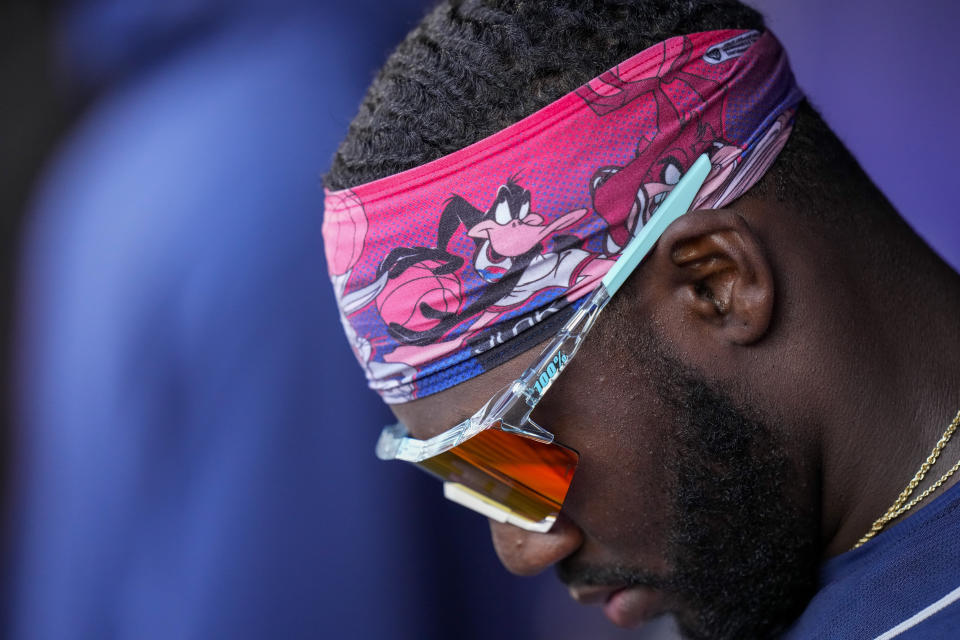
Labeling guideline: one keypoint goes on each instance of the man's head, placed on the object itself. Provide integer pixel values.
(687, 498)
(697, 489)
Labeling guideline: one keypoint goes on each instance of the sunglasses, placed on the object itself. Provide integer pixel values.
(499, 462)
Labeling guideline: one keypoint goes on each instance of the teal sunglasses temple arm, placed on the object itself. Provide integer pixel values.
(538, 378)
(677, 203)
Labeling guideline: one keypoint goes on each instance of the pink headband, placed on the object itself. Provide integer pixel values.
(449, 269)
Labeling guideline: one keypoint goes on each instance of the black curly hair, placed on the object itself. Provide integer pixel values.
(473, 67)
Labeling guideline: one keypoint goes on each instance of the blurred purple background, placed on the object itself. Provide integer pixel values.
(193, 439)
(883, 75)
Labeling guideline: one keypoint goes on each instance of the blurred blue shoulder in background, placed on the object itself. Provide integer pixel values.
(188, 466)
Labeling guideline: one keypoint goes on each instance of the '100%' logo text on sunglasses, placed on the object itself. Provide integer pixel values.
(551, 371)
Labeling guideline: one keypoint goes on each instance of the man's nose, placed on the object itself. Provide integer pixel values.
(526, 553)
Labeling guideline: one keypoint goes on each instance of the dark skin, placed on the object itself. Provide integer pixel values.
(860, 379)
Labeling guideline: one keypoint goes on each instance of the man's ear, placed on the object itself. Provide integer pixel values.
(718, 274)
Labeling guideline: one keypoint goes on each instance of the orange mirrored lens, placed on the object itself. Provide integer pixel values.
(528, 477)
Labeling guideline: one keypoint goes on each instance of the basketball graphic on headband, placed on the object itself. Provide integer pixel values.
(434, 296)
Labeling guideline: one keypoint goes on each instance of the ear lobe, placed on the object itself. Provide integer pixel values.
(720, 273)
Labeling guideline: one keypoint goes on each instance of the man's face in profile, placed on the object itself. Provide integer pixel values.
(681, 502)
(686, 498)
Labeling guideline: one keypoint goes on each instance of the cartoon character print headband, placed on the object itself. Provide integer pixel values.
(449, 269)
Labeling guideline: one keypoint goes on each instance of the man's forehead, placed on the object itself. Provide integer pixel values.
(427, 417)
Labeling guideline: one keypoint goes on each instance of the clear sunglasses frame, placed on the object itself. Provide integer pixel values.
(509, 410)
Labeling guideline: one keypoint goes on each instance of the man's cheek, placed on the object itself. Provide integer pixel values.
(621, 494)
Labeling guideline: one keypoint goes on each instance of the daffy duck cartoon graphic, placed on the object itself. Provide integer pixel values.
(508, 254)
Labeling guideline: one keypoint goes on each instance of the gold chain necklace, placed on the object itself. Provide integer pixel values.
(901, 505)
